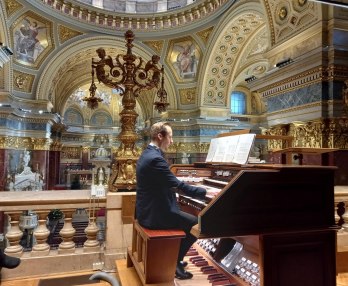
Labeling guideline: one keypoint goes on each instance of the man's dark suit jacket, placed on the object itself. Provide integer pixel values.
(156, 205)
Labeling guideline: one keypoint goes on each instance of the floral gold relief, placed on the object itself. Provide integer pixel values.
(205, 34)
(12, 6)
(56, 145)
(22, 81)
(325, 133)
(66, 33)
(70, 153)
(187, 95)
(10, 142)
(41, 143)
(189, 147)
(157, 46)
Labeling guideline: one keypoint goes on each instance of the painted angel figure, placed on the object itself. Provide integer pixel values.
(27, 45)
(186, 60)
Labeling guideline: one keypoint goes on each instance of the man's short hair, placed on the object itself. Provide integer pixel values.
(159, 127)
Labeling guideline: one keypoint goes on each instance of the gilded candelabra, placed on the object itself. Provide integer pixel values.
(130, 75)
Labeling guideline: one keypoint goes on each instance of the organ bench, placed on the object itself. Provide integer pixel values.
(154, 254)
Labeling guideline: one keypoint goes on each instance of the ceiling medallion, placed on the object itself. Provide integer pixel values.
(283, 13)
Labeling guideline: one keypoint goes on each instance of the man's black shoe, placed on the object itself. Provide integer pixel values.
(181, 273)
(183, 263)
(8, 261)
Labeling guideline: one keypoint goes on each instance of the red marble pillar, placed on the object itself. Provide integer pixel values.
(84, 162)
(3, 171)
(54, 170)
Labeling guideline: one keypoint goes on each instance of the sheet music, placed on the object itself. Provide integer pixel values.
(231, 149)
(212, 148)
(232, 142)
(243, 148)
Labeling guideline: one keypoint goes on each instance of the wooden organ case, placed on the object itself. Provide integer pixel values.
(281, 216)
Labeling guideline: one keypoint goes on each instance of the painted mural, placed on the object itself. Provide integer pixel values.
(184, 58)
(31, 37)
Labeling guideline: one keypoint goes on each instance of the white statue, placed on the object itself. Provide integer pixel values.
(100, 176)
(26, 158)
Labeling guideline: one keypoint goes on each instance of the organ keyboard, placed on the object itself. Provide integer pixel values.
(277, 219)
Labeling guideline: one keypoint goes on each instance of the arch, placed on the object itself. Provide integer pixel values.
(75, 59)
(242, 24)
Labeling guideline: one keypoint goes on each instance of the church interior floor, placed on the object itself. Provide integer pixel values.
(129, 278)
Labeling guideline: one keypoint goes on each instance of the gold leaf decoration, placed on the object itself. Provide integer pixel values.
(66, 33)
(205, 34)
(22, 81)
(12, 6)
(187, 95)
(155, 45)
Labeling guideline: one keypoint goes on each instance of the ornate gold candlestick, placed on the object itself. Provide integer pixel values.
(130, 75)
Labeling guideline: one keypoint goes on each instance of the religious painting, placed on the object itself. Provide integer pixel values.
(74, 117)
(101, 119)
(31, 39)
(183, 58)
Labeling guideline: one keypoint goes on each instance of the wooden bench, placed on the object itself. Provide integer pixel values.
(154, 254)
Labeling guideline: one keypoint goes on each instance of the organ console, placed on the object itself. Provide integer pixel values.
(262, 224)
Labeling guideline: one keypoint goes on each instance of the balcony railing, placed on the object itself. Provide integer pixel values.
(67, 257)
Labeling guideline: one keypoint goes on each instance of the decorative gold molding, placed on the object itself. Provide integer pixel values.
(157, 46)
(283, 13)
(12, 6)
(189, 147)
(65, 33)
(270, 21)
(22, 81)
(85, 149)
(12, 142)
(187, 95)
(322, 133)
(41, 143)
(71, 153)
(56, 145)
(205, 34)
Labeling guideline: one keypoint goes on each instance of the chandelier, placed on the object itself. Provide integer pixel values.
(92, 100)
(161, 104)
(130, 75)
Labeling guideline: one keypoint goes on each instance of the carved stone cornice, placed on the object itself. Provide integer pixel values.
(147, 22)
(298, 81)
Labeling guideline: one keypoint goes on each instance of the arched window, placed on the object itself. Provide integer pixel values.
(238, 102)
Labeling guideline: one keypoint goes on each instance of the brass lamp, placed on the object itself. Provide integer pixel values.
(161, 104)
(92, 100)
